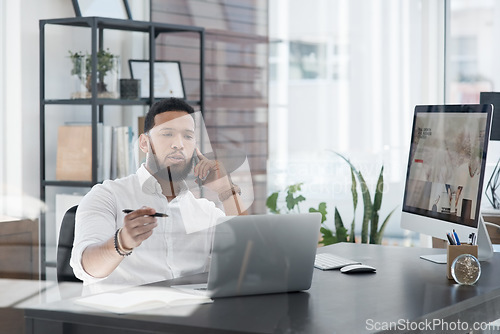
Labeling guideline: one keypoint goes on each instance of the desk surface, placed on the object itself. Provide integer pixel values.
(405, 288)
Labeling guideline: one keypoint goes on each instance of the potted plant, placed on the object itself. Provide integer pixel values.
(371, 232)
(107, 74)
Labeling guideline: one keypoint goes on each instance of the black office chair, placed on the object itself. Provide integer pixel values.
(64, 247)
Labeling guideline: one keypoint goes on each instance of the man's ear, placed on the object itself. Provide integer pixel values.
(143, 143)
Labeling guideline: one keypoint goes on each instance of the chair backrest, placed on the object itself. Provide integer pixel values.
(64, 247)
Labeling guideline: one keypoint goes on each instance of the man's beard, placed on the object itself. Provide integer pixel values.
(170, 173)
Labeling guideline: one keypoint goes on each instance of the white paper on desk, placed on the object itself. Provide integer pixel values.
(141, 299)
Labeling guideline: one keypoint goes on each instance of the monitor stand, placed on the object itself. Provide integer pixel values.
(484, 246)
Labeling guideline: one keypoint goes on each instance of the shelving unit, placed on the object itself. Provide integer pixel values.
(97, 26)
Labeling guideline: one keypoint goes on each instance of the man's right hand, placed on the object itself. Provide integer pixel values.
(137, 227)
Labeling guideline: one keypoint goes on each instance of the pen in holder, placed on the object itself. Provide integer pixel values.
(466, 269)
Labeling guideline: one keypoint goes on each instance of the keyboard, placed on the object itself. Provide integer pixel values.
(327, 261)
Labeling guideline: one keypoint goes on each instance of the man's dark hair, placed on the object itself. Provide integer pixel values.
(170, 104)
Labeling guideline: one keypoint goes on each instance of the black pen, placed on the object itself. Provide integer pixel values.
(158, 214)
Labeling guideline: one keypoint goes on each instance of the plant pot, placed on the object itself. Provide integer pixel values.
(107, 82)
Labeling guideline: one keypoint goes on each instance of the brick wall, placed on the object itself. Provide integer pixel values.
(236, 73)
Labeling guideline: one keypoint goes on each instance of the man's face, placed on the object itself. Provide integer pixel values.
(172, 144)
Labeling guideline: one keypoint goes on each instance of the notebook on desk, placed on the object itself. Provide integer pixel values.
(261, 254)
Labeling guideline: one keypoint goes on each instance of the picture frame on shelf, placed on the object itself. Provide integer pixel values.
(117, 9)
(168, 80)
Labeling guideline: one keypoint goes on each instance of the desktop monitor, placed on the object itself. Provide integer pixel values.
(445, 172)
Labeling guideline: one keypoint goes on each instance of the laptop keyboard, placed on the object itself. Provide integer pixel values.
(327, 261)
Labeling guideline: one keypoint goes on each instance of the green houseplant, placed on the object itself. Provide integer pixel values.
(107, 63)
(370, 231)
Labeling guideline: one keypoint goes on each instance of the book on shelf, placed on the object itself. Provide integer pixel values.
(113, 157)
(115, 152)
(100, 152)
(107, 135)
(122, 152)
(121, 134)
(141, 299)
(74, 153)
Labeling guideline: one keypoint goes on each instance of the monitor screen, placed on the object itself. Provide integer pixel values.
(446, 169)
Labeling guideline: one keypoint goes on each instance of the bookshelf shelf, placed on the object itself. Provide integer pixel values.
(98, 102)
(101, 102)
(57, 183)
(95, 27)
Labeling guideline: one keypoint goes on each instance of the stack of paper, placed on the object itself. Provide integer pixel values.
(141, 299)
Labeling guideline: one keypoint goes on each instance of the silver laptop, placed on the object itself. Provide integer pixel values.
(260, 254)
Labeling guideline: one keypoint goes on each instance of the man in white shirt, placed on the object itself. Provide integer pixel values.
(113, 248)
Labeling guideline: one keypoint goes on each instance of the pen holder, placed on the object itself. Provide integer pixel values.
(454, 251)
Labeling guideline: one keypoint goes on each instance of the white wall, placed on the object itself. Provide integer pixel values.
(19, 95)
(20, 107)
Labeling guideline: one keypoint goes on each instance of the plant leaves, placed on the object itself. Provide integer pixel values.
(295, 187)
(340, 230)
(380, 233)
(272, 202)
(354, 190)
(379, 191)
(291, 201)
(352, 235)
(370, 209)
(321, 209)
(377, 203)
(374, 227)
(367, 204)
(328, 237)
(367, 201)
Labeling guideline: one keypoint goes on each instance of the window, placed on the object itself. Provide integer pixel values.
(10, 109)
(307, 60)
(345, 77)
(472, 49)
(472, 64)
(3, 31)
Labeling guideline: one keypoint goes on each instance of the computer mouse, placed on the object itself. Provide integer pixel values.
(357, 268)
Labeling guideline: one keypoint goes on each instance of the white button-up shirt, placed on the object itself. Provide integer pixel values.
(180, 245)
